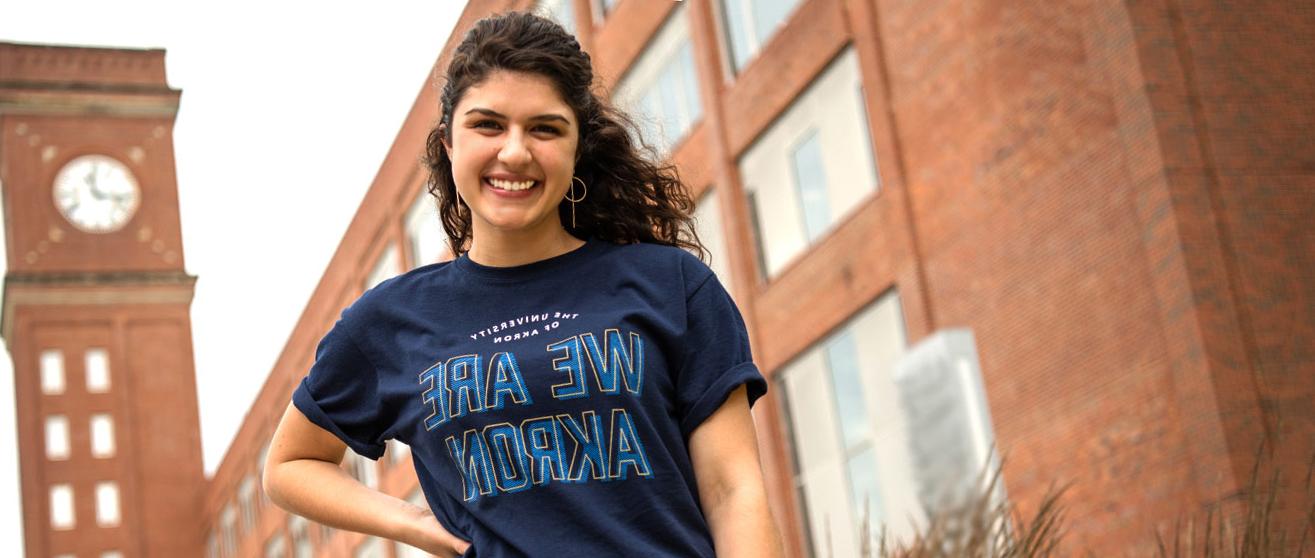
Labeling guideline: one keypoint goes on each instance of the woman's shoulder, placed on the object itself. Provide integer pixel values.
(405, 286)
(656, 253)
(662, 258)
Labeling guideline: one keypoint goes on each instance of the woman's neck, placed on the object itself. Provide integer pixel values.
(496, 248)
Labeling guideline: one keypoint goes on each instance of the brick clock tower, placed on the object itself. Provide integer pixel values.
(96, 304)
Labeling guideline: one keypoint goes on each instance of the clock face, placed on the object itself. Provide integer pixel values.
(96, 193)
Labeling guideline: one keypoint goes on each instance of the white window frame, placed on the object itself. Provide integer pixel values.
(246, 499)
(97, 369)
(276, 547)
(362, 468)
(754, 42)
(823, 458)
(847, 159)
(299, 531)
(260, 473)
(661, 57)
(601, 10)
(108, 512)
(63, 514)
(396, 451)
(228, 529)
(212, 545)
(103, 444)
(802, 195)
(708, 223)
(370, 547)
(51, 362)
(57, 438)
(388, 265)
(423, 231)
(561, 11)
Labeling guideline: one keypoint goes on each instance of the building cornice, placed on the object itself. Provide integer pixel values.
(83, 99)
(92, 288)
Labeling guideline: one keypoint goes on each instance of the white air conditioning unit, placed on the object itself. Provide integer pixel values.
(947, 419)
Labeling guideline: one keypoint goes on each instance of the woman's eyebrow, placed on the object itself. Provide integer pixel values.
(495, 114)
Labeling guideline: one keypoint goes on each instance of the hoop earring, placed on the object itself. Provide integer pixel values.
(575, 179)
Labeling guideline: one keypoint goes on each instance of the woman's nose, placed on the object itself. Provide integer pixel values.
(514, 151)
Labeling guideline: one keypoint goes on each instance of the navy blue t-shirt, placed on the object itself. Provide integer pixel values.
(548, 406)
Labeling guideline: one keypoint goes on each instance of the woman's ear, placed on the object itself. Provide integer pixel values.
(443, 137)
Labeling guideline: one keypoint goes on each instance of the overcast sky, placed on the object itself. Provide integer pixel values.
(288, 109)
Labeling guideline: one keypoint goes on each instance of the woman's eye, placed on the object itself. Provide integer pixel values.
(489, 124)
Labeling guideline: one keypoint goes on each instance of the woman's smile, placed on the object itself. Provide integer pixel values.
(512, 189)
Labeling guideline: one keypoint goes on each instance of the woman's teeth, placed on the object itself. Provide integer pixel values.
(512, 186)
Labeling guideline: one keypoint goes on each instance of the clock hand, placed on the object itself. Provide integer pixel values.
(96, 191)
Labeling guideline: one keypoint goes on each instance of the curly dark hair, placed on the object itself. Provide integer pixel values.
(630, 198)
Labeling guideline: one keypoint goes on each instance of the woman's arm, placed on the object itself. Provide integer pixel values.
(724, 450)
(302, 475)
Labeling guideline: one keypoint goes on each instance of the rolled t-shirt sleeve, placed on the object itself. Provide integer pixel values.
(341, 393)
(717, 357)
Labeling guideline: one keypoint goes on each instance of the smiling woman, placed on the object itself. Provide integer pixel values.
(530, 99)
(512, 153)
(611, 416)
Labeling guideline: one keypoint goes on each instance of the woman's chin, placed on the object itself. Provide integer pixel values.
(510, 222)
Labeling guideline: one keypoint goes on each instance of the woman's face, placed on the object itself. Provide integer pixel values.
(510, 131)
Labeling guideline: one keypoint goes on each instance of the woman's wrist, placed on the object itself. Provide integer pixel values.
(415, 530)
(422, 530)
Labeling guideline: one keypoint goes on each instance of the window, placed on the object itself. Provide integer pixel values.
(424, 232)
(370, 548)
(228, 529)
(397, 451)
(362, 468)
(813, 166)
(602, 8)
(402, 550)
(56, 437)
(852, 462)
(260, 472)
(102, 435)
(107, 504)
(52, 372)
(246, 501)
(561, 11)
(661, 90)
(299, 528)
(810, 181)
(326, 532)
(749, 24)
(98, 370)
(708, 223)
(276, 548)
(387, 266)
(61, 507)
(212, 545)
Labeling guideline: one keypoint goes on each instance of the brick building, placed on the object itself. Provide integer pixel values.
(96, 304)
(1078, 229)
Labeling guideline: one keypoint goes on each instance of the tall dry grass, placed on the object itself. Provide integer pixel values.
(1258, 533)
(985, 526)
